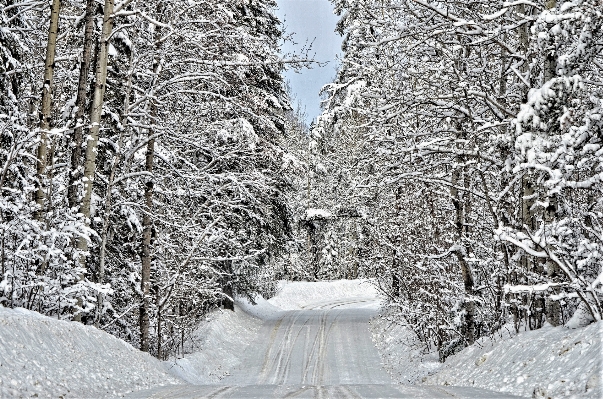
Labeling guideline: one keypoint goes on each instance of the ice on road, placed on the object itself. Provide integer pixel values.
(321, 351)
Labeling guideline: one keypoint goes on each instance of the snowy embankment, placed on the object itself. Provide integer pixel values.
(219, 341)
(47, 357)
(548, 363)
(42, 356)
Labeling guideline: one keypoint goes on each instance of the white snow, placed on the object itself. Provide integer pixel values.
(301, 294)
(44, 357)
(317, 214)
(549, 362)
(402, 355)
(47, 357)
(219, 342)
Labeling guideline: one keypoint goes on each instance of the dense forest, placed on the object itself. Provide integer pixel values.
(467, 138)
(143, 175)
(152, 166)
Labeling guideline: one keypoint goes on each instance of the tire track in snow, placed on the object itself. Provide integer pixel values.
(278, 361)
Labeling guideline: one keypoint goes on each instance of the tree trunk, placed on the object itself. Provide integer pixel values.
(95, 119)
(92, 142)
(100, 273)
(553, 308)
(460, 252)
(228, 292)
(147, 220)
(227, 287)
(44, 123)
(147, 225)
(80, 104)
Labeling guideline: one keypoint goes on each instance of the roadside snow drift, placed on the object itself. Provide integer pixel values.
(549, 362)
(219, 342)
(546, 363)
(41, 356)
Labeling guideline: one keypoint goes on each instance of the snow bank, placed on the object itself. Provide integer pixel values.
(402, 355)
(301, 294)
(219, 341)
(550, 362)
(41, 356)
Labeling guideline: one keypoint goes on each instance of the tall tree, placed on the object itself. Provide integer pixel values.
(46, 109)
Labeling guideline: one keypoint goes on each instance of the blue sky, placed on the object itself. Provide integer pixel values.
(311, 20)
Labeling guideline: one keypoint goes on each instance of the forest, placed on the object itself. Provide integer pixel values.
(154, 166)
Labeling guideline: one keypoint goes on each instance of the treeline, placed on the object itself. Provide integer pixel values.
(141, 172)
(467, 138)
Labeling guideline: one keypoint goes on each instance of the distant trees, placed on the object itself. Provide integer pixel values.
(154, 189)
(467, 136)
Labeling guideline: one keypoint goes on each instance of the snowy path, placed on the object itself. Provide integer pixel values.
(326, 344)
(322, 351)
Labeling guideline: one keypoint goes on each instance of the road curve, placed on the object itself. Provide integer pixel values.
(322, 351)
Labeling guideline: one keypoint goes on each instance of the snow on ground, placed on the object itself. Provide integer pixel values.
(44, 357)
(548, 363)
(402, 355)
(224, 336)
(219, 341)
(300, 294)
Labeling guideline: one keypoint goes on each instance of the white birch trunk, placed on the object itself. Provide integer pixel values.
(95, 119)
(44, 126)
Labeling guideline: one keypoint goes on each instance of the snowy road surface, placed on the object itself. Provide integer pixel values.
(322, 351)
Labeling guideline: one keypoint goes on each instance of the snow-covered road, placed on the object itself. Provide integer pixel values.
(321, 351)
(327, 344)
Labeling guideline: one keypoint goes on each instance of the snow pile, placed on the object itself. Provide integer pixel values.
(550, 362)
(300, 294)
(402, 355)
(41, 356)
(219, 342)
